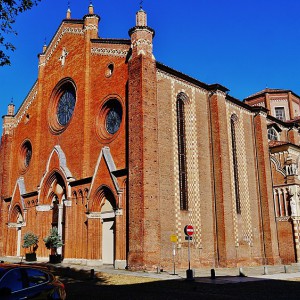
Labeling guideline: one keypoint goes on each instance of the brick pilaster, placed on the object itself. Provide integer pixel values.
(144, 209)
(269, 229)
(222, 179)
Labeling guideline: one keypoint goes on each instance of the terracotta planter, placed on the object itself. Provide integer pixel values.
(30, 256)
(55, 259)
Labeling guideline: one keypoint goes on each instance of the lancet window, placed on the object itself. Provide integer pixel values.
(233, 122)
(181, 134)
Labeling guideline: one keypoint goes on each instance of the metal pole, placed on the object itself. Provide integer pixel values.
(174, 253)
(189, 253)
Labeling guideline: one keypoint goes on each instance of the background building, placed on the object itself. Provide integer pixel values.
(120, 152)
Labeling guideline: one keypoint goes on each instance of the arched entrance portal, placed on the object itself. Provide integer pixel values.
(103, 207)
(55, 195)
(15, 228)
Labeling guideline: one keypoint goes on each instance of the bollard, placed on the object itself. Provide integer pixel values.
(212, 274)
(189, 275)
(265, 270)
(285, 269)
(92, 274)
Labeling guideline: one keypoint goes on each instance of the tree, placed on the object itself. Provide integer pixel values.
(30, 241)
(53, 240)
(9, 10)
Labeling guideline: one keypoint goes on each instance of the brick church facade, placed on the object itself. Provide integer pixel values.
(119, 152)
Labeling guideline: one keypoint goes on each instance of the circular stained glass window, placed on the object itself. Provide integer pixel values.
(65, 107)
(113, 119)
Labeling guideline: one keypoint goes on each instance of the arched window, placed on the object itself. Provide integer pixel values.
(272, 134)
(233, 121)
(181, 98)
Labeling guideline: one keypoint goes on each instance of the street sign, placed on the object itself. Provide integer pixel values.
(189, 230)
(173, 238)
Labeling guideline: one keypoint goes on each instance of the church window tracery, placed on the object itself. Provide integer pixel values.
(62, 105)
(109, 120)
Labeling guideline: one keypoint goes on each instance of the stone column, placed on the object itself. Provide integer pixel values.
(59, 225)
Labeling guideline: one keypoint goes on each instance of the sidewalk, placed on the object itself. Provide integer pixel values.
(222, 275)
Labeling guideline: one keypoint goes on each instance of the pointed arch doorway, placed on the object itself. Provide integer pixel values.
(15, 231)
(54, 195)
(103, 208)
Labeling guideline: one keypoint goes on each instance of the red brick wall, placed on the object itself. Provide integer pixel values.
(286, 244)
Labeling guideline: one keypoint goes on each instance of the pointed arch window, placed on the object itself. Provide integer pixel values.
(233, 122)
(180, 105)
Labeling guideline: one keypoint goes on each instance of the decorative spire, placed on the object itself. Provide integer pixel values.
(141, 5)
(91, 8)
(11, 108)
(44, 46)
(68, 11)
(141, 18)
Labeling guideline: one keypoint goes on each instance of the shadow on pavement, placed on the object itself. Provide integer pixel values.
(80, 285)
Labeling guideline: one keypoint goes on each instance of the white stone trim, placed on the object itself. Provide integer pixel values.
(109, 52)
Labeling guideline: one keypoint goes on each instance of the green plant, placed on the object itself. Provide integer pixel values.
(53, 240)
(30, 240)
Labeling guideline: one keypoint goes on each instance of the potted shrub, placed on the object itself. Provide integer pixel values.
(52, 242)
(30, 241)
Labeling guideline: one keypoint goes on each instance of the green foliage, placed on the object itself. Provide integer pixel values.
(30, 240)
(9, 10)
(53, 240)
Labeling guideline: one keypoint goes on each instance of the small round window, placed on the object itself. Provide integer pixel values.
(25, 156)
(110, 69)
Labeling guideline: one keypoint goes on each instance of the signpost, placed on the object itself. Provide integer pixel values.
(189, 231)
(173, 239)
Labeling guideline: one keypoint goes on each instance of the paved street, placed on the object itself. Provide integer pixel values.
(281, 282)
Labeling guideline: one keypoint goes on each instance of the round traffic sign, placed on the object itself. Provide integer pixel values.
(189, 230)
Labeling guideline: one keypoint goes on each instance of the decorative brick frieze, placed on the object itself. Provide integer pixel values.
(22, 111)
(109, 52)
(91, 27)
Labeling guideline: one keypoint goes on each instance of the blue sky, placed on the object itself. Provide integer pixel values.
(243, 45)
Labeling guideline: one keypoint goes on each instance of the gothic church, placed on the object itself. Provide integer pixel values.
(120, 152)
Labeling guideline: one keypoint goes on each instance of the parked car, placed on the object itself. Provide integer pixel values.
(29, 282)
